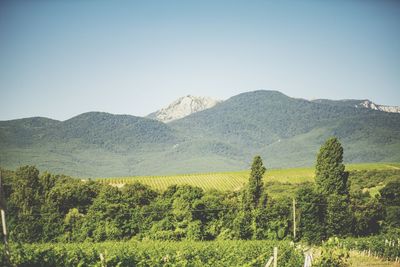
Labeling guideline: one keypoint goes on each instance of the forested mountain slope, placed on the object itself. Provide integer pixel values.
(285, 131)
(288, 131)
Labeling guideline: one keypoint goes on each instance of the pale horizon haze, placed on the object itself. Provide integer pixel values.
(62, 58)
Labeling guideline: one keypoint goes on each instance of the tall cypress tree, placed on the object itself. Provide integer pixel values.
(330, 175)
(255, 187)
(331, 180)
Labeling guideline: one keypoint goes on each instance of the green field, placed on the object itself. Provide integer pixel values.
(231, 181)
(183, 253)
(154, 253)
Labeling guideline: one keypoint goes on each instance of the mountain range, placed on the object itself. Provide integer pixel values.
(196, 134)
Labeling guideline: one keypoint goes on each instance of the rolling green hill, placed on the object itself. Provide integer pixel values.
(88, 144)
(286, 132)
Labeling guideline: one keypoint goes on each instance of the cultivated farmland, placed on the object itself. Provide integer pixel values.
(232, 181)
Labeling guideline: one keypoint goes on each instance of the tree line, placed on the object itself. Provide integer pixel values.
(57, 208)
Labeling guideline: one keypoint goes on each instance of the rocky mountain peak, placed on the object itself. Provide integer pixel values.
(182, 107)
(371, 105)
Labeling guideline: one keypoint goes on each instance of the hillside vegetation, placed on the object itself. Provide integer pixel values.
(56, 220)
(285, 131)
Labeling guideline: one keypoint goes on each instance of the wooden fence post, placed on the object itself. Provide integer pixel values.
(3, 220)
(269, 261)
(294, 219)
(275, 256)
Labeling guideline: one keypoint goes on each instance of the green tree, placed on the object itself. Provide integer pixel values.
(330, 174)
(367, 212)
(209, 210)
(52, 222)
(72, 221)
(390, 198)
(242, 225)
(311, 209)
(108, 217)
(390, 194)
(260, 223)
(26, 202)
(138, 194)
(338, 216)
(26, 189)
(47, 182)
(71, 193)
(279, 219)
(195, 231)
(255, 186)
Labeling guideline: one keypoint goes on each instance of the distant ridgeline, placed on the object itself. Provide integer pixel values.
(285, 131)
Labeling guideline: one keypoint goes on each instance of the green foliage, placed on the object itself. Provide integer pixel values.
(131, 253)
(108, 218)
(365, 179)
(338, 216)
(25, 203)
(367, 214)
(72, 222)
(329, 171)
(385, 246)
(242, 225)
(392, 217)
(70, 193)
(279, 218)
(255, 186)
(195, 231)
(64, 209)
(390, 194)
(53, 208)
(285, 130)
(390, 198)
(26, 189)
(312, 213)
(138, 194)
(333, 257)
(260, 223)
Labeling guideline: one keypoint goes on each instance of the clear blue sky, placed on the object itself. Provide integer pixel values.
(62, 58)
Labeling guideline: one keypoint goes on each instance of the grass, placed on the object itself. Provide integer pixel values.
(358, 260)
(279, 179)
(373, 166)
